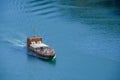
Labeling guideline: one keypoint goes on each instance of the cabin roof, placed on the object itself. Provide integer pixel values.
(34, 38)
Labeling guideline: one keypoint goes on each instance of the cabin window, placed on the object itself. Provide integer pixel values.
(33, 42)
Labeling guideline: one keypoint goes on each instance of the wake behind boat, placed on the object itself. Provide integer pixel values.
(42, 50)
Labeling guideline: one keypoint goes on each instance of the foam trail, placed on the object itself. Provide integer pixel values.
(15, 42)
(19, 43)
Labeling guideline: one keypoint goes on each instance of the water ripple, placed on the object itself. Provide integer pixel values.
(45, 8)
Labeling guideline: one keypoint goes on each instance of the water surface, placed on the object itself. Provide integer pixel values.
(84, 34)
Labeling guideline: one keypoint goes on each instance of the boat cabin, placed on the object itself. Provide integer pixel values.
(34, 41)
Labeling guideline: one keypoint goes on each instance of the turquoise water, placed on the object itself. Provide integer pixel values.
(84, 34)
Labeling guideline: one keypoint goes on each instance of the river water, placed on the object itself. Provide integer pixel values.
(84, 33)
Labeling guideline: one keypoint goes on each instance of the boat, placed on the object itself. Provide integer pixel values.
(40, 49)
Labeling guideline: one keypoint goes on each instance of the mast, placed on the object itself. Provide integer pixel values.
(34, 31)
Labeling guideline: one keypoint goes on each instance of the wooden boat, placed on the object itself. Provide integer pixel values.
(40, 49)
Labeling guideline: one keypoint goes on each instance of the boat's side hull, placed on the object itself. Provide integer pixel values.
(47, 57)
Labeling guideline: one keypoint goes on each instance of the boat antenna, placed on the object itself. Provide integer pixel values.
(34, 31)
